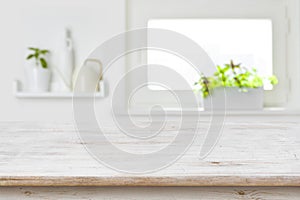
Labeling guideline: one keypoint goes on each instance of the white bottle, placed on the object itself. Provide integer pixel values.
(63, 71)
(67, 67)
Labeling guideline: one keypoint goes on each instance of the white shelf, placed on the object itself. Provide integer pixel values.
(20, 93)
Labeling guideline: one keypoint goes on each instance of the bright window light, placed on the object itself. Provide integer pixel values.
(246, 41)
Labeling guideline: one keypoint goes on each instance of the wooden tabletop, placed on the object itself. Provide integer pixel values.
(252, 151)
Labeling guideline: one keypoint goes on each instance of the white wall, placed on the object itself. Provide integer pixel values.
(41, 23)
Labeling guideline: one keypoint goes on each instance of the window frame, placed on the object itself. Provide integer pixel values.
(285, 38)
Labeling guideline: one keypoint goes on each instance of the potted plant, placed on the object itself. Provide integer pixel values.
(39, 74)
(239, 87)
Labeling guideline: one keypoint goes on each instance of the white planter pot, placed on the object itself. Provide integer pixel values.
(38, 79)
(234, 99)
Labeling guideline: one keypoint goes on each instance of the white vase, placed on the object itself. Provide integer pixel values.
(234, 99)
(38, 79)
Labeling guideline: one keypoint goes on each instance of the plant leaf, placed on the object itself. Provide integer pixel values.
(43, 63)
(45, 51)
(33, 49)
(29, 57)
(273, 80)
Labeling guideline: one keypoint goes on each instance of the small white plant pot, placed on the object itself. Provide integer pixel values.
(38, 79)
(234, 99)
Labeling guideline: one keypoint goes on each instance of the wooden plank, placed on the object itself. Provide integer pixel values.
(200, 181)
(252, 151)
(150, 193)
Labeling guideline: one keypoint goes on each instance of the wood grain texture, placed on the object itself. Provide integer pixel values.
(149, 193)
(252, 151)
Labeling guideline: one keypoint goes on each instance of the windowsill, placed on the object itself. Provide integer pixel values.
(268, 111)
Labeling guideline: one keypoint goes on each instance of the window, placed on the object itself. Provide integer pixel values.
(242, 40)
(267, 40)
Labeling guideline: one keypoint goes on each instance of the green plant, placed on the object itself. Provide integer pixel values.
(232, 75)
(39, 56)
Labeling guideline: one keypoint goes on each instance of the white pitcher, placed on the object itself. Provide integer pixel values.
(89, 76)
